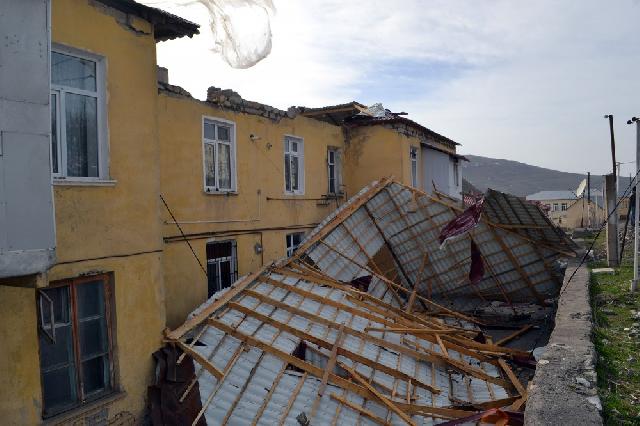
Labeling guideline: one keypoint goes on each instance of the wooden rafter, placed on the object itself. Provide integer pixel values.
(388, 403)
(329, 345)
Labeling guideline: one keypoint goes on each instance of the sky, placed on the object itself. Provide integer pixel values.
(528, 81)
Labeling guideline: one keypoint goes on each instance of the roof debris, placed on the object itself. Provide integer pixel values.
(370, 321)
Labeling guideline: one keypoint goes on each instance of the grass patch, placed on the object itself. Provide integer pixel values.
(618, 346)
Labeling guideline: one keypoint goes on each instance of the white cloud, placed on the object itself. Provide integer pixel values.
(531, 81)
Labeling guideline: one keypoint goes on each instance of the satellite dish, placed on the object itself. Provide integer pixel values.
(581, 188)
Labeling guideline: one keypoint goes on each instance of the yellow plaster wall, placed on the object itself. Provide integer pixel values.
(102, 222)
(372, 152)
(260, 175)
(20, 396)
(186, 283)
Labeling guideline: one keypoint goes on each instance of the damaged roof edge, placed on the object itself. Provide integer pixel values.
(346, 114)
(166, 26)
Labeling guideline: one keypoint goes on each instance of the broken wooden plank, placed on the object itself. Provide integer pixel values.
(201, 360)
(236, 289)
(516, 383)
(387, 402)
(514, 335)
(331, 364)
(443, 348)
(356, 357)
(360, 409)
(292, 398)
(414, 330)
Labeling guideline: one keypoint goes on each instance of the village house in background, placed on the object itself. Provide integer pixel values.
(570, 212)
(557, 203)
(161, 200)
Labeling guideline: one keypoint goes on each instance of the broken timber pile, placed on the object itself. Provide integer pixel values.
(351, 329)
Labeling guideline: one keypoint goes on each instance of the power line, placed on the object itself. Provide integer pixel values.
(183, 235)
(626, 192)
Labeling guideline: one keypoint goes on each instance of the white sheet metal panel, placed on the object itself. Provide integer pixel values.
(253, 374)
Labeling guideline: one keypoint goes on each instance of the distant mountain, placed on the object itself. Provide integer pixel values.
(522, 179)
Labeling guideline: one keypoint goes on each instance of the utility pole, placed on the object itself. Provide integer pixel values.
(610, 198)
(636, 225)
(613, 256)
(613, 145)
(589, 200)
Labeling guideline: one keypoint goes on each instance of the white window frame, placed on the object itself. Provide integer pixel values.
(456, 173)
(101, 117)
(300, 156)
(563, 207)
(413, 164)
(208, 189)
(233, 263)
(291, 248)
(337, 172)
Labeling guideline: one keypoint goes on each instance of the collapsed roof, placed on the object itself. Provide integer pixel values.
(359, 325)
(517, 242)
(355, 114)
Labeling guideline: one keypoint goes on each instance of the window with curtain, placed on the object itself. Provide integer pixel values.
(76, 103)
(219, 156)
(293, 165)
(76, 349)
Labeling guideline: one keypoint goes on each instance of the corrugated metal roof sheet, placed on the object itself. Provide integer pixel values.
(267, 346)
(279, 309)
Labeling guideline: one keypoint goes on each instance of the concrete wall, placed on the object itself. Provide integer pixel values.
(577, 215)
(258, 213)
(111, 228)
(27, 233)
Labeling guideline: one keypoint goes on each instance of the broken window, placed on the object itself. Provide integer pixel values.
(293, 165)
(75, 342)
(219, 155)
(333, 170)
(413, 155)
(293, 242)
(77, 104)
(222, 265)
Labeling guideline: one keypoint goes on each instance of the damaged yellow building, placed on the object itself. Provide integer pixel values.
(77, 348)
(161, 200)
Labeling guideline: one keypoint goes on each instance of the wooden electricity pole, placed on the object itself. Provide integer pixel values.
(611, 197)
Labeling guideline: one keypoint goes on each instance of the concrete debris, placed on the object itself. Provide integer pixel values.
(538, 352)
(232, 100)
(583, 382)
(603, 271)
(595, 400)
